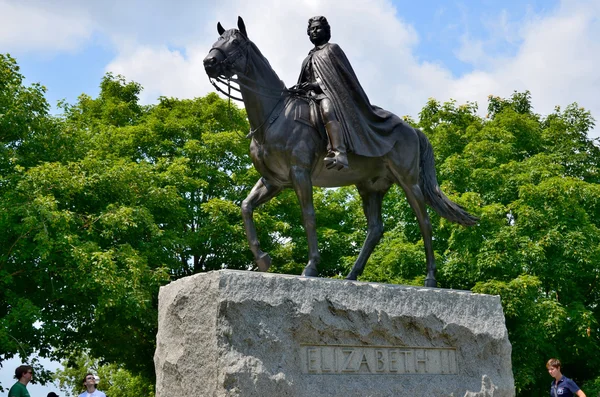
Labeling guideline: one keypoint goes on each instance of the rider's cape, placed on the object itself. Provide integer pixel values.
(368, 129)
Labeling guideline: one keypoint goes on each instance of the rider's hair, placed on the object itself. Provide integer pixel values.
(323, 21)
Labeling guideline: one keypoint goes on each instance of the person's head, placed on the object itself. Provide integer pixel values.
(89, 380)
(553, 366)
(24, 372)
(52, 394)
(318, 30)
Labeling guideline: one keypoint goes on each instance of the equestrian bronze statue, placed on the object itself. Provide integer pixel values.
(294, 145)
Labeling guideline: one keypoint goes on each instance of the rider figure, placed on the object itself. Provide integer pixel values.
(319, 33)
(353, 124)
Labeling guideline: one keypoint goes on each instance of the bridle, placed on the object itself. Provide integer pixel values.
(227, 63)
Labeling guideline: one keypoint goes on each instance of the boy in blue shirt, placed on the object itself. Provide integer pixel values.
(561, 385)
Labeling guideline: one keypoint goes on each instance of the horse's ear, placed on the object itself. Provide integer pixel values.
(242, 27)
(220, 28)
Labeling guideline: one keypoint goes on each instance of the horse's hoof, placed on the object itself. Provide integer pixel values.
(310, 272)
(430, 282)
(352, 275)
(263, 262)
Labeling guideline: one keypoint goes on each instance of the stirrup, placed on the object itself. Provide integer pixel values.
(337, 160)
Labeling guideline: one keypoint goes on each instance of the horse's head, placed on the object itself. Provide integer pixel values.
(229, 55)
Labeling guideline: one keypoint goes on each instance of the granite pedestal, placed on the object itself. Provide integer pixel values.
(234, 333)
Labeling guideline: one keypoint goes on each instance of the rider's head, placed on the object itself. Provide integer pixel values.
(318, 30)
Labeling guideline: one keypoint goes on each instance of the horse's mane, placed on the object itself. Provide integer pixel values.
(259, 60)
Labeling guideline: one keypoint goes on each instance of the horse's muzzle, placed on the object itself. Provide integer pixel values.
(212, 66)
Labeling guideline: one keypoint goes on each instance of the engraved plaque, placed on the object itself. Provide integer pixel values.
(377, 360)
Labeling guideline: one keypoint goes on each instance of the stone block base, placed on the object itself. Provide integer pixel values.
(234, 333)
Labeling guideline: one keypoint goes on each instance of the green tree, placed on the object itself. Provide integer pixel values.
(25, 128)
(533, 181)
(146, 194)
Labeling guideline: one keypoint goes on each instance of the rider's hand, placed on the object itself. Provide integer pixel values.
(306, 87)
(309, 86)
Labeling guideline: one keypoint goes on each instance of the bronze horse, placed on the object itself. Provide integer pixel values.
(288, 151)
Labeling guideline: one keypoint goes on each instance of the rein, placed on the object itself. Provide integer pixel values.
(229, 86)
(277, 93)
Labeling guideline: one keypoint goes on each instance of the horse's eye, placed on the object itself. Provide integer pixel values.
(235, 42)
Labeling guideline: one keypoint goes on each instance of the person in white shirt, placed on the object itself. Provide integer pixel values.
(90, 384)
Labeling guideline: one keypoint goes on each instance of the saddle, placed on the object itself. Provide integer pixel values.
(307, 112)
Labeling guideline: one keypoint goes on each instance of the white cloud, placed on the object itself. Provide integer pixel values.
(164, 72)
(556, 60)
(555, 55)
(472, 51)
(161, 45)
(29, 27)
(368, 31)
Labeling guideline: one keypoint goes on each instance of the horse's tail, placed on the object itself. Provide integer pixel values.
(431, 189)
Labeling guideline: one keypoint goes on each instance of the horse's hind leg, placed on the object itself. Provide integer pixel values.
(302, 183)
(417, 202)
(261, 193)
(371, 202)
(406, 170)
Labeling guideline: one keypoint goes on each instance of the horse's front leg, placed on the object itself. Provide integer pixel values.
(303, 186)
(261, 193)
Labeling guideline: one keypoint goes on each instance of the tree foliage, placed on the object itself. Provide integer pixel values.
(25, 127)
(533, 181)
(102, 205)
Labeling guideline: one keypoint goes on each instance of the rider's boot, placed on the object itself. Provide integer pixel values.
(336, 158)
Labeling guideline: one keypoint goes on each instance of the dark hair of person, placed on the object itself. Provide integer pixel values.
(86, 375)
(22, 370)
(85, 378)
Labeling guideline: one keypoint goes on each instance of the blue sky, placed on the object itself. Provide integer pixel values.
(404, 52)
(440, 26)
